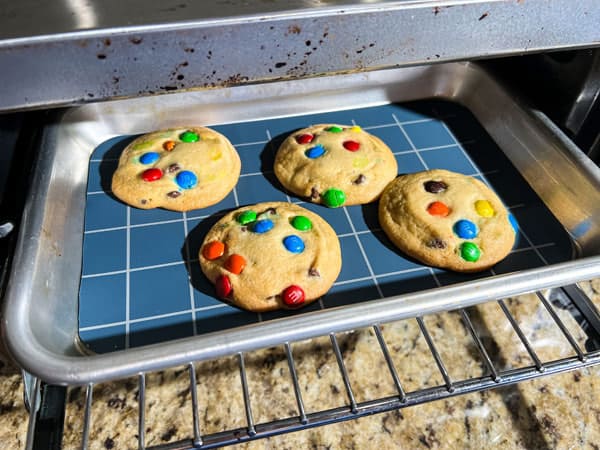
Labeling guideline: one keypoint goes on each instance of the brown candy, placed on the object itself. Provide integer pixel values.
(436, 243)
(173, 194)
(360, 179)
(435, 187)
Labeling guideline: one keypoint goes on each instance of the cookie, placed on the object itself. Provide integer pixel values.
(178, 169)
(447, 220)
(335, 165)
(270, 256)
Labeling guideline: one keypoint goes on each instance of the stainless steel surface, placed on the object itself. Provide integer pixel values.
(44, 283)
(297, 420)
(74, 51)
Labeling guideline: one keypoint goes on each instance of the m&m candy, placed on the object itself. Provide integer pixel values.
(189, 136)
(169, 145)
(235, 263)
(293, 244)
(334, 129)
(465, 229)
(469, 251)
(484, 208)
(186, 179)
(149, 157)
(438, 209)
(435, 187)
(152, 174)
(304, 138)
(301, 223)
(262, 226)
(315, 152)
(213, 250)
(293, 295)
(246, 217)
(333, 198)
(351, 146)
(223, 286)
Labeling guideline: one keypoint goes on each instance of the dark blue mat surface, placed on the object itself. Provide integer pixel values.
(141, 282)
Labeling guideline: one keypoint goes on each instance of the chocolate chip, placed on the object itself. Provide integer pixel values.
(173, 168)
(271, 211)
(109, 443)
(143, 201)
(435, 187)
(360, 179)
(173, 194)
(313, 272)
(314, 193)
(244, 228)
(436, 243)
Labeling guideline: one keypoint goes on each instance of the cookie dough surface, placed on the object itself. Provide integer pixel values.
(447, 220)
(179, 169)
(270, 256)
(335, 165)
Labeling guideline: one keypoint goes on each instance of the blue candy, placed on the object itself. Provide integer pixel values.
(513, 223)
(186, 179)
(149, 158)
(262, 226)
(465, 229)
(315, 152)
(293, 244)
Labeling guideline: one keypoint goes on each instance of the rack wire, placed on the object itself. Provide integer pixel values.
(572, 315)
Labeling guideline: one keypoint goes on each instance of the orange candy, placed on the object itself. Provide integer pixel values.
(213, 250)
(438, 209)
(169, 145)
(235, 263)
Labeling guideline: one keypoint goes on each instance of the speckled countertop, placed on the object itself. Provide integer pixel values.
(557, 411)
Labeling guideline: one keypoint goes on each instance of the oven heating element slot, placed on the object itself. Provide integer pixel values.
(493, 376)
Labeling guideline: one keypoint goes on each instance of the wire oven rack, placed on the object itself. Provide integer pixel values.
(565, 306)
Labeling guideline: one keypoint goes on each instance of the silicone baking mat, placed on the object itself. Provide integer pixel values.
(141, 282)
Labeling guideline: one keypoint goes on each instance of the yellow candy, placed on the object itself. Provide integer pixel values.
(144, 145)
(215, 154)
(484, 208)
(356, 128)
(360, 162)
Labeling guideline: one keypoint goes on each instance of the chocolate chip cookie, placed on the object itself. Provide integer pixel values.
(447, 220)
(179, 169)
(270, 256)
(335, 165)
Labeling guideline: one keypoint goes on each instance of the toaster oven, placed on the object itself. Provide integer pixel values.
(462, 85)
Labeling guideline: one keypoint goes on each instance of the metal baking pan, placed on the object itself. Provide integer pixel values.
(41, 307)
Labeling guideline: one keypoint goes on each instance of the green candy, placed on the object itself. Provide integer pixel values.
(469, 252)
(189, 136)
(333, 198)
(301, 223)
(246, 217)
(334, 129)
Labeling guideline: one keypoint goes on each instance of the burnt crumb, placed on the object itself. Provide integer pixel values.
(436, 243)
(101, 56)
(244, 228)
(549, 425)
(116, 403)
(180, 77)
(294, 29)
(90, 95)
(173, 194)
(313, 272)
(469, 404)
(307, 43)
(543, 389)
(168, 88)
(189, 50)
(360, 179)
(436, 10)
(314, 193)
(483, 16)
(109, 443)
(576, 377)
(135, 40)
(107, 42)
(115, 80)
(334, 389)
(279, 65)
(168, 435)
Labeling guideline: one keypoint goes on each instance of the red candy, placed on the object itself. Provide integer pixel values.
(293, 295)
(351, 145)
(152, 174)
(304, 138)
(223, 286)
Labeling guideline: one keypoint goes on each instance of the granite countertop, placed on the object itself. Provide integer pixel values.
(557, 411)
